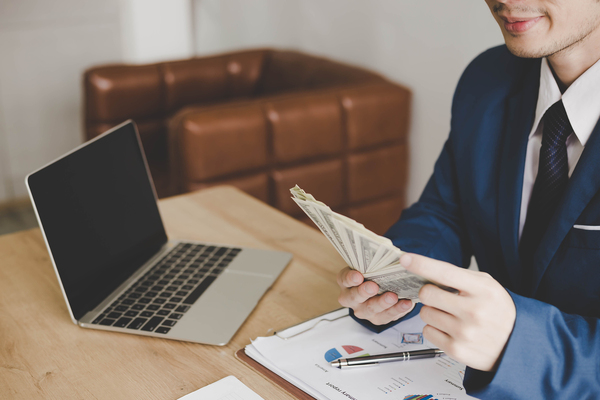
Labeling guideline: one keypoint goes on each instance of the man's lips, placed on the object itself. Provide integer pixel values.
(519, 25)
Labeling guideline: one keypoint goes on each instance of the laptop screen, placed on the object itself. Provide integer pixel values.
(99, 214)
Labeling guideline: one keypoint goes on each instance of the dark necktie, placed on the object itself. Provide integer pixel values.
(550, 184)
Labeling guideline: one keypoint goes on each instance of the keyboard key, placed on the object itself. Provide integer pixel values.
(163, 282)
(152, 324)
(166, 294)
(187, 287)
(193, 281)
(163, 312)
(137, 307)
(141, 289)
(169, 306)
(116, 303)
(107, 310)
(175, 316)
(134, 295)
(172, 288)
(107, 321)
(159, 301)
(144, 300)
(137, 323)
(150, 294)
(146, 283)
(121, 308)
(157, 288)
(122, 323)
(131, 313)
(181, 293)
(183, 276)
(98, 319)
(169, 322)
(178, 282)
(128, 302)
(176, 299)
(191, 299)
(146, 314)
(152, 307)
(114, 315)
(182, 309)
(169, 276)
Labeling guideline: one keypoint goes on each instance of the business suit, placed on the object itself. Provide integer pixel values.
(471, 206)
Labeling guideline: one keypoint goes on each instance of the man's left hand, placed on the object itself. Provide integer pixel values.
(472, 326)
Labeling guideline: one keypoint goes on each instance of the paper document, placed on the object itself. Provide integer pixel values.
(304, 360)
(229, 388)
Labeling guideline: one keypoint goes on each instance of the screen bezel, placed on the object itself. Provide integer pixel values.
(151, 182)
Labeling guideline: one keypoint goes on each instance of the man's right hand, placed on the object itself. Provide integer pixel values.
(362, 297)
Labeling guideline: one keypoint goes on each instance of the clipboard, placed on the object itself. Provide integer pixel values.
(267, 373)
(287, 386)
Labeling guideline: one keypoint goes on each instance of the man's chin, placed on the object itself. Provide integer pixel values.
(525, 51)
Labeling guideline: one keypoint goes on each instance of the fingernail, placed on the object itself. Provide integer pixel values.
(355, 278)
(390, 299)
(370, 289)
(406, 260)
(405, 305)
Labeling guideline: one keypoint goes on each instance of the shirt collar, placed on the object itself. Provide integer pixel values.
(581, 100)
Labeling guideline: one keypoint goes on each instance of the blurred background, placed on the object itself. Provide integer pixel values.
(46, 45)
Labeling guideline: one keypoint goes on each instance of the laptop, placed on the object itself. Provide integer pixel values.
(118, 271)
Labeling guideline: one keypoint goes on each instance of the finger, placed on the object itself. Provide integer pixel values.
(375, 309)
(349, 277)
(438, 338)
(353, 297)
(440, 272)
(398, 310)
(440, 320)
(441, 299)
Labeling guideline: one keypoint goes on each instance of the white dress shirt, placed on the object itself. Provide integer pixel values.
(582, 103)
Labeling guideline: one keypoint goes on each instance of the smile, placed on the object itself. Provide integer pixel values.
(519, 25)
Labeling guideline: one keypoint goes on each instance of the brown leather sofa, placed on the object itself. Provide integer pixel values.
(264, 120)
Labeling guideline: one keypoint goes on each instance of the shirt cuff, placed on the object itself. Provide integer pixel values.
(380, 328)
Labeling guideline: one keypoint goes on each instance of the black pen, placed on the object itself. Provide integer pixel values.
(381, 358)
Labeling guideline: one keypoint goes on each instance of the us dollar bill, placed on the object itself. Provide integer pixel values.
(374, 256)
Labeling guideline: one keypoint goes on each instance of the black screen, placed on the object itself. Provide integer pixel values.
(99, 214)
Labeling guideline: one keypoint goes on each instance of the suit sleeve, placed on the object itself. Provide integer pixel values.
(549, 355)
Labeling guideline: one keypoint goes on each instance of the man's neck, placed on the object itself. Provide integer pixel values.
(570, 63)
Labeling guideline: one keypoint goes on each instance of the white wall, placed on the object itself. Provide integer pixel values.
(45, 45)
(423, 44)
(44, 48)
(156, 30)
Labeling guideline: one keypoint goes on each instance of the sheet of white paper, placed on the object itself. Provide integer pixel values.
(229, 388)
(306, 358)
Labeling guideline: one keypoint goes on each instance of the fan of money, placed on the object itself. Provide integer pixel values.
(374, 256)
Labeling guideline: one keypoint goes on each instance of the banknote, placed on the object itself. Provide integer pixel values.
(374, 256)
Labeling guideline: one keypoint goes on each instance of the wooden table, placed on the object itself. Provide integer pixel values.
(43, 355)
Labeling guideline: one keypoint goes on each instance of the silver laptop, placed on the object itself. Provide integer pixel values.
(98, 212)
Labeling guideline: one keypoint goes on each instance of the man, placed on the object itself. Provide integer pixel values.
(517, 185)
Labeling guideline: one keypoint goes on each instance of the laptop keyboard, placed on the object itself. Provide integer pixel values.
(166, 292)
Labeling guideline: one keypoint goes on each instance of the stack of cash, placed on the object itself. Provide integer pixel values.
(374, 256)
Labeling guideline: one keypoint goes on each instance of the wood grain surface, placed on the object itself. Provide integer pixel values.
(43, 355)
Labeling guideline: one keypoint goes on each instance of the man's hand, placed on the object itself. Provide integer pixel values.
(472, 326)
(362, 297)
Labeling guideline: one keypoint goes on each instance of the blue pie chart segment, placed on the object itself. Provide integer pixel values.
(332, 354)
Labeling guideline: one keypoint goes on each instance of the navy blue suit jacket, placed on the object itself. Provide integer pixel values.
(471, 206)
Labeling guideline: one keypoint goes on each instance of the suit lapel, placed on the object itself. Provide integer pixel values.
(582, 186)
(520, 116)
